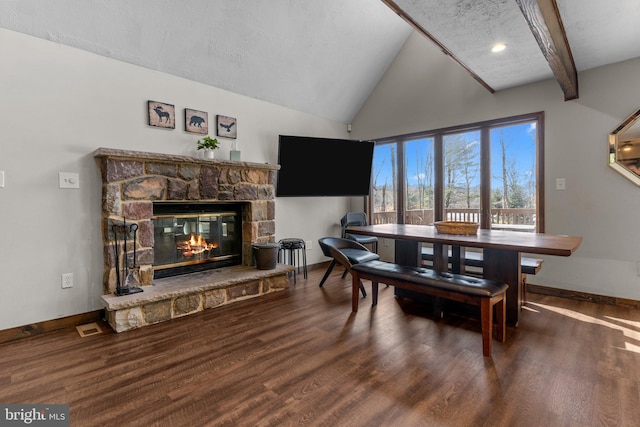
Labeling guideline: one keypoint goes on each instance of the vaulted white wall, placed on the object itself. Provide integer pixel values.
(423, 89)
(57, 105)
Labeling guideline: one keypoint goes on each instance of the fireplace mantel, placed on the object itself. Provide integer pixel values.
(132, 181)
(113, 153)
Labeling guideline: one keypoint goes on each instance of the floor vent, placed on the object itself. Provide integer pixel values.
(88, 329)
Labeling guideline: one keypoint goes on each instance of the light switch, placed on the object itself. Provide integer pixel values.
(1, 179)
(68, 180)
(560, 184)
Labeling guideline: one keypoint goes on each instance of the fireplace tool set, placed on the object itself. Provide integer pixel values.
(126, 277)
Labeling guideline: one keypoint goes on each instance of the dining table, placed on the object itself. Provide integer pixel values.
(502, 252)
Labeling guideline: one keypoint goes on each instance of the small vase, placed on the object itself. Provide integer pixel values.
(234, 154)
(209, 154)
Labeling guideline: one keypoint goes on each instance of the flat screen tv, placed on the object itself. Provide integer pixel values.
(312, 167)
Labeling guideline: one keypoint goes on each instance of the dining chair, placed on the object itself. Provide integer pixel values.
(345, 252)
(358, 219)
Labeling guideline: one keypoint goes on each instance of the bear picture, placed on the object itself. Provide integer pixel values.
(196, 121)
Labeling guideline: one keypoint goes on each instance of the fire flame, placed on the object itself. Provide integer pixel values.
(195, 245)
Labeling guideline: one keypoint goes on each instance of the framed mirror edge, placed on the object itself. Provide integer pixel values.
(614, 160)
(626, 173)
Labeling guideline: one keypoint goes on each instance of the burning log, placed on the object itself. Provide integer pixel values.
(195, 245)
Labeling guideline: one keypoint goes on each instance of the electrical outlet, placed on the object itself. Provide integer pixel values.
(67, 280)
(308, 245)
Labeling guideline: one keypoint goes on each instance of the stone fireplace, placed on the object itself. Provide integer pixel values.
(172, 197)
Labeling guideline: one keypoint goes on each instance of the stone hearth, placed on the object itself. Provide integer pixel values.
(177, 296)
(132, 182)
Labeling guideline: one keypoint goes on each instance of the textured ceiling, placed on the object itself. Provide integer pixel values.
(323, 57)
(599, 32)
(470, 28)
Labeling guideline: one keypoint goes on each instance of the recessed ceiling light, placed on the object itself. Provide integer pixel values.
(626, 147)
(498, 47)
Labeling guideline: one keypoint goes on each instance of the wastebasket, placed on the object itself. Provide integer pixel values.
(266, 255)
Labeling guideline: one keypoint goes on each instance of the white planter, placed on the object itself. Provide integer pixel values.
(209, 154)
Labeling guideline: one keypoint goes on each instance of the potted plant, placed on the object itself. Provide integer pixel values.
(208, 144)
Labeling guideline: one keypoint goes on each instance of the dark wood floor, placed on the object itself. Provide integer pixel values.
(300, 357)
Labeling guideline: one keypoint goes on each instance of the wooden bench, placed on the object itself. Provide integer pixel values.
(457, 287)
(475, 259)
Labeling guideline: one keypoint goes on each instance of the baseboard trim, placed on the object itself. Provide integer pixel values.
(582, 296)
(49, 325)
(317, 266)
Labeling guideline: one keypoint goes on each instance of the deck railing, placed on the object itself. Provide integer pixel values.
(520, 219)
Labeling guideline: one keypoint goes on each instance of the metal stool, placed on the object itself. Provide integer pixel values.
(290, 249)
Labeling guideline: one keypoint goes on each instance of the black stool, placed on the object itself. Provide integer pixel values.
(290, 249)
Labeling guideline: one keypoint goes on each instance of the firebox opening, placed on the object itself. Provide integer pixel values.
(191, 237)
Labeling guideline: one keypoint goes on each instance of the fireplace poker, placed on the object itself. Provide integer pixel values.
(130, 276)
(125, 261)
(118, 284)
(134, 228)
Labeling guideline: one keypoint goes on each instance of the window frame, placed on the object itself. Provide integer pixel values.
(485, 166)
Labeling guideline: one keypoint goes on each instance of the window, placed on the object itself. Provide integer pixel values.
(462, 176)
(513, 176)
(384, 174)
(489, 172)
(419, 181)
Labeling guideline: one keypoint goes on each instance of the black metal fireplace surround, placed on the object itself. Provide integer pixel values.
(191, 237)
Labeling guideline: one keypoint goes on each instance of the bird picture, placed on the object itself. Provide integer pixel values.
(227, 126)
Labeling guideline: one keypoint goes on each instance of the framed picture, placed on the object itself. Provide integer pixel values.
(162, 115)
(196, 121)
(227, 126)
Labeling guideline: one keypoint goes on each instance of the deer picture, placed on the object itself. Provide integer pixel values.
(161, 113)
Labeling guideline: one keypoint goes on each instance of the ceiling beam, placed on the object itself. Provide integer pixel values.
(404, 15)
(544, 20)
